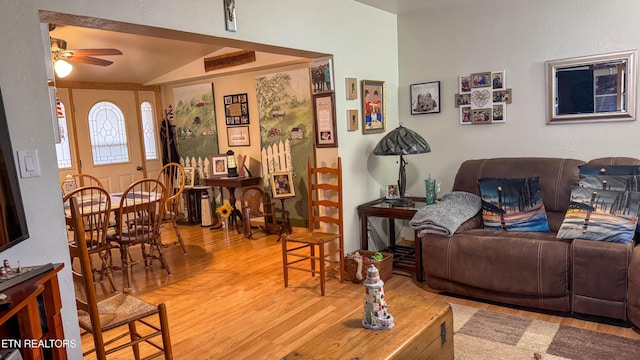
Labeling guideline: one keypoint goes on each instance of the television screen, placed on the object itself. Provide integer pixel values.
(13, 224)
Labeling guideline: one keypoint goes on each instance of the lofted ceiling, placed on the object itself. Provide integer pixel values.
(150, 54)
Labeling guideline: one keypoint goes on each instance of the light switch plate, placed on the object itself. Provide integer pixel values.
(29, 163)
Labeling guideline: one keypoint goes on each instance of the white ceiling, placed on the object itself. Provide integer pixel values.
(402, 6)
(147, 59)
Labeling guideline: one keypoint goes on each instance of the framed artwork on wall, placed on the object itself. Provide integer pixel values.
(373, 107)
(321, 73)
(238, 136)
(325, 120)
(352, 119)
(483, 98)
(236, 109)
(425, 98)
(351, 88)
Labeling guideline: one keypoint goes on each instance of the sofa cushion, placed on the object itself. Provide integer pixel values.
(501, 261)
(513, 204)
(603, 215)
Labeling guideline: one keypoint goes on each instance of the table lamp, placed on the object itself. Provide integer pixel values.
(232, 167)
(401, 141)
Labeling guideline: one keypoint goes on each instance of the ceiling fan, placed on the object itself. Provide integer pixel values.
(59, 51)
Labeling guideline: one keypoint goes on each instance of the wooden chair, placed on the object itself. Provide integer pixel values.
(118, 311)
(173, 177)
(95, 209)
(82, 180)
(258, 210)
(321, 247)
(138, 222)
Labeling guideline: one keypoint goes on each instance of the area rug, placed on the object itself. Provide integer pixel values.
(489, 335)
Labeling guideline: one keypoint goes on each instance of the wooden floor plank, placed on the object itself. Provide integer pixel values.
(226, 298)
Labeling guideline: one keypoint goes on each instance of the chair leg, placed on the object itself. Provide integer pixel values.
(133, 335)
(175, 227)
(322, 269)
(126, 265)
(164, 326)
(312, 249)
(285, 266)
(158, 246)
(106, 269)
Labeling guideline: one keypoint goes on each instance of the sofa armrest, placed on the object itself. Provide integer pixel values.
(473, 223)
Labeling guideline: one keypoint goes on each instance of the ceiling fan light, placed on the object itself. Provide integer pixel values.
(62, 68)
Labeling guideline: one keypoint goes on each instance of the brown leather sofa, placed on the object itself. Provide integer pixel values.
(535, 269)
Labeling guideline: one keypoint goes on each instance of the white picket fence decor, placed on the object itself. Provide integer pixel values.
(201, 166)
(275, 158)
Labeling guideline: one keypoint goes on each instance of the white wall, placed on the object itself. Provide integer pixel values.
(518, 36)
(362, 40)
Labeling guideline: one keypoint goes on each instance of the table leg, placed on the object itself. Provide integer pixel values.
(364, 238)
(284, 227)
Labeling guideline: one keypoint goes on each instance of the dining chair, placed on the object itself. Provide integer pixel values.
(138, 221)
(81, 180)
(173, 177)
(319, 249)
(120, 311)
(95, 211)
(258, 210)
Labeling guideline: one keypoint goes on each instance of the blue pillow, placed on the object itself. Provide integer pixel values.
(603, 215)
(513, 204)
(611, 182)
(609, 169)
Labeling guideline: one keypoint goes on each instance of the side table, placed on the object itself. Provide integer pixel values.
(232, 183)
(404, 257)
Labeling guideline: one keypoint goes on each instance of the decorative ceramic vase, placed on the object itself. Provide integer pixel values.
(375, 316)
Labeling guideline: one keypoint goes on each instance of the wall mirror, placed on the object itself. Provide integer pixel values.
(592, 88)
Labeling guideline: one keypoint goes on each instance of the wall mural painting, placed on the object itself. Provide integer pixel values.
(195, 121)
(285, 113)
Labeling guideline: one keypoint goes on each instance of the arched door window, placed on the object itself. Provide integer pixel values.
(108, 134)
(148, 131)
(63, 150)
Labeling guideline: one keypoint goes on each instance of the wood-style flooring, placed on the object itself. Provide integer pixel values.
(226, 298)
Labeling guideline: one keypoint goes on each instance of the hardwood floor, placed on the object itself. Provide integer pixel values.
(226, 298)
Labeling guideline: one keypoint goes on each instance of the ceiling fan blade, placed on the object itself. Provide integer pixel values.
(94, 52)
(89, 60)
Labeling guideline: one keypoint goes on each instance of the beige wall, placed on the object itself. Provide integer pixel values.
(346, 29)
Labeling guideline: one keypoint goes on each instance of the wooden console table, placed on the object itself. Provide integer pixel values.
(232, 183)
(404, 257)
(24, 308)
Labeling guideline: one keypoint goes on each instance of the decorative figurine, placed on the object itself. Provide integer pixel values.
(376, 316)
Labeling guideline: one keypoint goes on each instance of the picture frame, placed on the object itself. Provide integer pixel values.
(351, 88)
(325, 120)
(502, 96)
(481, 116)
(238, 136)
(391, 192)
(425, 98)
(219, 165)
(464, 84)
(236, 109)
(190, 176)
(462, 99)
(465, 115)
(321, 73)
(352, 119)
(281, 185)
(373, 107)
(481, 79)
(497, 80)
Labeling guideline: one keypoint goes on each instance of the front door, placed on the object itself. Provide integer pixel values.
(108, 137)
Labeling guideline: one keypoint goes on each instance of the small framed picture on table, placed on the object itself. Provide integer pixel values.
(281, 185)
